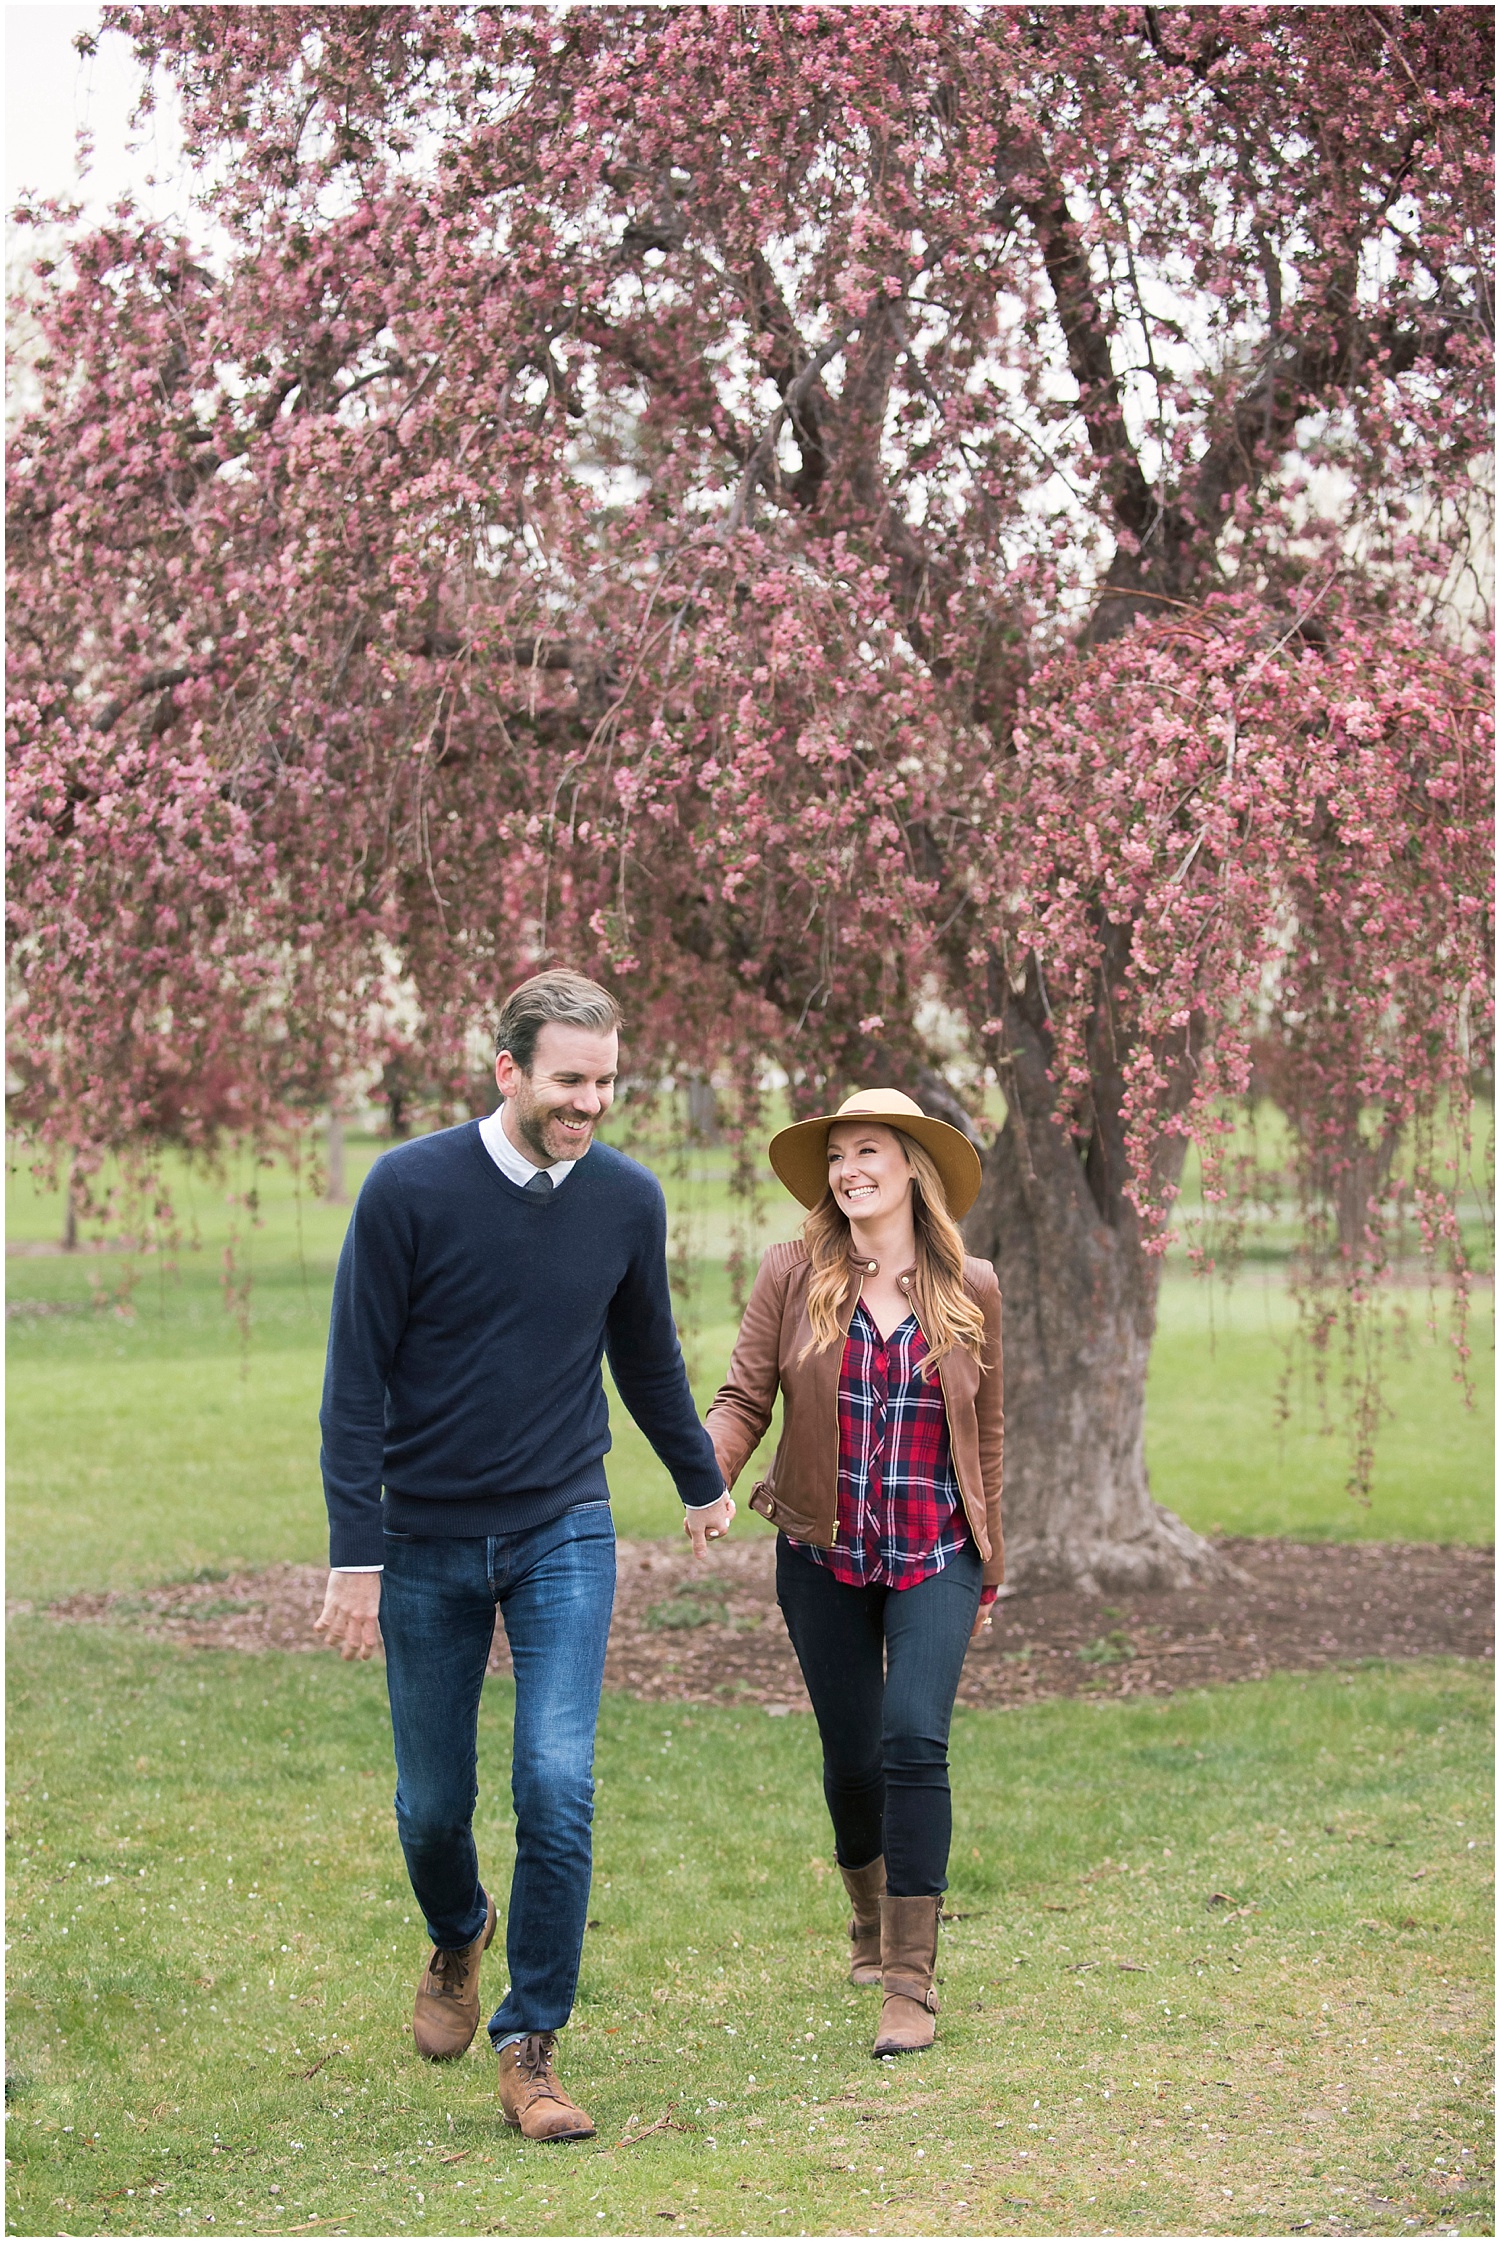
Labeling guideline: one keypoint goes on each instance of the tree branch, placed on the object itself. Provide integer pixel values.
(154, 681)
(1086, 334)
(791, 404)
(769, 310)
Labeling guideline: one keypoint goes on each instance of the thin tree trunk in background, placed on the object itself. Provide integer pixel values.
(336, 1195)
(70, 1214)
(703, 1111)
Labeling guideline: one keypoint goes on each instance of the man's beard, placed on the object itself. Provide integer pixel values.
(532, 1123)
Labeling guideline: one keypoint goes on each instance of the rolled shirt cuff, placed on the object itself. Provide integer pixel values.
(356, 1568)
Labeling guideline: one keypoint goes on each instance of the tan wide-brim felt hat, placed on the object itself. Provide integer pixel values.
(800, 1154)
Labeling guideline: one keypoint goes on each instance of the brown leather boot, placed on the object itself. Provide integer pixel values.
(908, 1958)
(446, 2015)
(865, 1887)
(531, 2095)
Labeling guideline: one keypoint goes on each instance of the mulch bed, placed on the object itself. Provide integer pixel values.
(704, 1634)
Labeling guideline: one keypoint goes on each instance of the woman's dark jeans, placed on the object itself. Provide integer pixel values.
(882, 1667)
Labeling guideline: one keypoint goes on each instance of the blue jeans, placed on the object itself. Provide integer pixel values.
(882, 1667)
(555, 1585)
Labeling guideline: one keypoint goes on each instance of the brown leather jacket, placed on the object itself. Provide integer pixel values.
(801, 1493)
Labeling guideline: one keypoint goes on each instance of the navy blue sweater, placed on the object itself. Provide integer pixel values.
(469, 1323)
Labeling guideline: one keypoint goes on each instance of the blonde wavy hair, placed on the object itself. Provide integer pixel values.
(949, 1318)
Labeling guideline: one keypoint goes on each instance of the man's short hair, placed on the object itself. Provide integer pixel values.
(568, 998)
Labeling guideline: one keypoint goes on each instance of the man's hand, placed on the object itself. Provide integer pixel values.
(351, 1614)
(709, 1524)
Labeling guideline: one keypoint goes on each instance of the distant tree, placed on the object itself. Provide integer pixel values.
(829, 517)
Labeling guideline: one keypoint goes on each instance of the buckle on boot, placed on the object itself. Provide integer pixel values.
(911, 1989)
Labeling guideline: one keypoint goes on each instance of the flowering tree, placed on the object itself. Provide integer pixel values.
(833, 518)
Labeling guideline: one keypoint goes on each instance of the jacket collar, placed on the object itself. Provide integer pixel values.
(906, 1278)
(859, 1269)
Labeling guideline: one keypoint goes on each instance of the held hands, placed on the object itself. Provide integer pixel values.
(709, 1524)
(351, 1614)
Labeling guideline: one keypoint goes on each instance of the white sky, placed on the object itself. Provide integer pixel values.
(51, 93)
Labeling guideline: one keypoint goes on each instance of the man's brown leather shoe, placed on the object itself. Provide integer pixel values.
(531, 2095)
(446, 2015)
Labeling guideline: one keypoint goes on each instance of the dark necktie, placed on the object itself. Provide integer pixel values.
(540, 1186)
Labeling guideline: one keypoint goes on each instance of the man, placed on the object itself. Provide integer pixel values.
(486, 1271)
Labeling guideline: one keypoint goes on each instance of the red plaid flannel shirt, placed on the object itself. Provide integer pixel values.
(900, 1514)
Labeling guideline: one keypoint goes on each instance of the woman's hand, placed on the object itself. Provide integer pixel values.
(982, 1620)
(711, 1523)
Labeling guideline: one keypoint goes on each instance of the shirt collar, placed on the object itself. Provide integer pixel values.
(515, 1164)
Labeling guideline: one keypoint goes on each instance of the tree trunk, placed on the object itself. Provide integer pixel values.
(702, 1111)
(336, 1194)
(70, 1214)
(1080, 1314)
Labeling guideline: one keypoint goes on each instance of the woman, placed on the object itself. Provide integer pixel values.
(884, 1340)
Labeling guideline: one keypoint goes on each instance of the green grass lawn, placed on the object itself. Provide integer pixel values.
(170, 1443)
(1218, 1457)
(1219, 1965)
